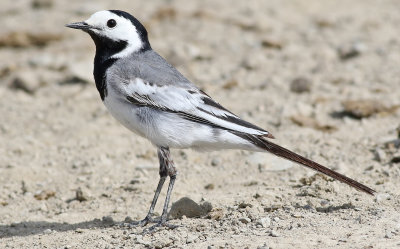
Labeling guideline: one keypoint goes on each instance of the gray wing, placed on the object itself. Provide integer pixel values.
(150, 67)
(150, 81)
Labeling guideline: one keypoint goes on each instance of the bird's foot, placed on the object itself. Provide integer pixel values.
(161, 223)
(148, 219)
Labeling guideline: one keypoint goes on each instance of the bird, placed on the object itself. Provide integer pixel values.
(151, 98)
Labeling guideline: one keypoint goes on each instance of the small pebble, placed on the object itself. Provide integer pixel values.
(395, 159)
(245, 220)
(380, 155)
(134, 181)
(245, 205)
(300, 85)
(80, 196)
(264, 222)
(382, 197)
(324, 202)
(215, 162)
(128, 219)
(274, 233)
(47, 231)
(44, 194)
(267, 43)
(191, 239)
(210, 186)
(349, 51)
(107, 220)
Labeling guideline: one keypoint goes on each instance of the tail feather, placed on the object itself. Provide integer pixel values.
(287, 154)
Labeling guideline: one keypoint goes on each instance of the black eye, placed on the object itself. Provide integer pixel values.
(111, 23)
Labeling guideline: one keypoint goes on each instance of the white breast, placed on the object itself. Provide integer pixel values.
(123, 111)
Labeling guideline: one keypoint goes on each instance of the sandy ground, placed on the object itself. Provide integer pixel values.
(254, 57)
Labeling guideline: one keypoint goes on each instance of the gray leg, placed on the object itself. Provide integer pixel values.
(165, 157)
(156, 194)
(164, 215)
(163, 176)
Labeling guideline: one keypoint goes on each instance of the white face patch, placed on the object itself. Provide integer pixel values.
(124, 30)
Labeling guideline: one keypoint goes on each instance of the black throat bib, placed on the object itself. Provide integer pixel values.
(105, 48)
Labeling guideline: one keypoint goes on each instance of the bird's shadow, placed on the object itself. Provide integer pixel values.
(38, 227)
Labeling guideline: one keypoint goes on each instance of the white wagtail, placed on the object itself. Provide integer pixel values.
(151, 98)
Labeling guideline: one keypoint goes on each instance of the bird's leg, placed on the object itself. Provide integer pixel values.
(164, 215)
(163, 176)
(165, 156)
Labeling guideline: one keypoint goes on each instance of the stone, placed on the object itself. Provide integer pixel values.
(349, 51)
(244, 220)
(272, 44)
(206, 206)
(300, 85)
(209, 186)
(388, 235)
(107, 220)
(264, 222)
(44, 195)
(274, 233)
(191, 238)
(380, 155)
(215, 162)
(382, 197)
(80, 196)
(189, 208)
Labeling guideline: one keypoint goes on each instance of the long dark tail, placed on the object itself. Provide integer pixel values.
(285, 153)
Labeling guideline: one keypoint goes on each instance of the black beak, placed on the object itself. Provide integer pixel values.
(79, 25)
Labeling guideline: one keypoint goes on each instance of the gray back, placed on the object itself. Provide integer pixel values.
(150, 67)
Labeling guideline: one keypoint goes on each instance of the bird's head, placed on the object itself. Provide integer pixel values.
(116, 33)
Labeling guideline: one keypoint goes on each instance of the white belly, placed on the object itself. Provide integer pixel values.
(169, 129)
(124, 112)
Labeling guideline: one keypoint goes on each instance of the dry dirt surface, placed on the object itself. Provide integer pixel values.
(322, 76)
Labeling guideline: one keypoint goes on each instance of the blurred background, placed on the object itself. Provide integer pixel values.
(322, 76)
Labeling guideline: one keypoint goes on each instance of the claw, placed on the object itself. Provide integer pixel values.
(145, 221)
(161, 223)
(148, 219)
